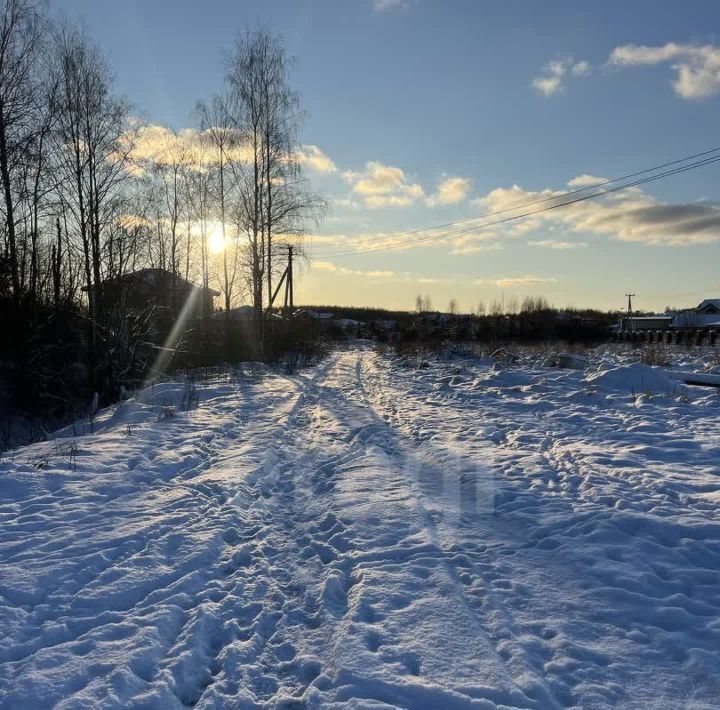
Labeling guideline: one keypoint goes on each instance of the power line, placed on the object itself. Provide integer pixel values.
(465, 226)
(557, 198)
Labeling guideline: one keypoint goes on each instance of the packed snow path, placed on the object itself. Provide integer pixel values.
(369, 535)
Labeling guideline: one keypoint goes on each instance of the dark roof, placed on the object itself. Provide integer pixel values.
(710, 304)
(154, 278)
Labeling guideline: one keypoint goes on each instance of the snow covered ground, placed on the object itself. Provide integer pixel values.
(371, 533)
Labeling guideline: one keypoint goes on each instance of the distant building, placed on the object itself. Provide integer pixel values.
(240, 313)
(312, 315)
(705, 315)
(159, 288)
(633, 323)
(316, 320)
(709, 305)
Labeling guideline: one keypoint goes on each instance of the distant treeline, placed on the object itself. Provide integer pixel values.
(534, 319)
(360, 313)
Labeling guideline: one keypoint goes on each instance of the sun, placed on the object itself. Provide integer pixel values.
(216, 243)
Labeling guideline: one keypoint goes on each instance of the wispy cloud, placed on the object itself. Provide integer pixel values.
(512, 281)
(630, 216)
(346, 203)
(356, 272)
(372, 274)
(385, 5)
(471, 242)
(697, 67)
(476, 244)
(324, 266)
(556, 72)
(157, 144)
(556, 244)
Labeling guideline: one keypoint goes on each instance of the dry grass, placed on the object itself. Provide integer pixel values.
(655, 355)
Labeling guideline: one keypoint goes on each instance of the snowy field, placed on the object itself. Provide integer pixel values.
(372, 533)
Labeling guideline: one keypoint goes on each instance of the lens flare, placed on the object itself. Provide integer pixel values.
(216, 242)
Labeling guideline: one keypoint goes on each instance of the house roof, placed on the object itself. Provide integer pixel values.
(154, 277)
(315, 315)
(646, 318)
(713, 303)
(238, 313)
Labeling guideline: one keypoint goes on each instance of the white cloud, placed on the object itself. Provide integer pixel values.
(324, 239)
(451, 190)
(548, 85)
(475, 248)
(157, 144)
(585, 181)
(556, 244)
(382, 185)
(371, 274)
(466, 243)
(630, 216)
(554, 72)
(315, 159)
(403, 200)
(133, 221)
(697, 67)
(581, 68)
(346, 202)
(359, 242)
(475, 242)
(511, 281)
(380, 179)
(385, 5)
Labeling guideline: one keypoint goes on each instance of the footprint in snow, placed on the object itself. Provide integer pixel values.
(335, 594)
(373, 641)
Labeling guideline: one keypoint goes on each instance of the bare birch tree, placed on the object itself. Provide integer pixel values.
(21, 38)
(216, 133)
(263, 110)
(93, 149)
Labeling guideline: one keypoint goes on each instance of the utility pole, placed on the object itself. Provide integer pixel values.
(630, 311)
(290, 275)
(289, 283)
(287, 279)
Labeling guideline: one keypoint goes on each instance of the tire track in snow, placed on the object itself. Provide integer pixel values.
(345, 441)
(491, 567)
(471, 566)
(279, 551)
(562, 466)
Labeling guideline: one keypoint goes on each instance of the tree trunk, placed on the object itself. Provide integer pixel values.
(9, 209)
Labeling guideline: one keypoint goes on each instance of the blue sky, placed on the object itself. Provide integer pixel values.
(406, 97)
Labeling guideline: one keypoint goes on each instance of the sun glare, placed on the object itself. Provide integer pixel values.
(216, 243)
